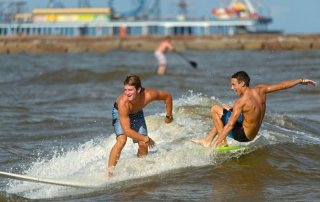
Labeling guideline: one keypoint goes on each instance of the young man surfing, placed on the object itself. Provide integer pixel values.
(128, 117)
(243, 121)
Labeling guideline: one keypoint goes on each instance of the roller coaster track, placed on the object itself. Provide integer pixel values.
(132, 13)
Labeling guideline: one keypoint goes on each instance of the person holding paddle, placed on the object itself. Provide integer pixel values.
(243, 121)
(163, 47)
(128, 117)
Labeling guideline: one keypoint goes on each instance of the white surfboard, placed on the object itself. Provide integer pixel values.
(45, 180)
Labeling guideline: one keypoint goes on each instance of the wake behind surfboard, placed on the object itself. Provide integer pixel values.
(59, 182)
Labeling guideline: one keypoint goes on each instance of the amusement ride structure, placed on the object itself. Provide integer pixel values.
(142, 9)
(142, 18)
(8, 10)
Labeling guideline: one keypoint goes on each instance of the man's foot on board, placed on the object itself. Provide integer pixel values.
(109, 173)
(222, 144)
(203, 142)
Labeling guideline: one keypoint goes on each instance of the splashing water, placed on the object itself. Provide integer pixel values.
(173, 151)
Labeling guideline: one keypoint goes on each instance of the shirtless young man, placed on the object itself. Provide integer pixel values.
(164, 46)
(243, 121)
(128, 117)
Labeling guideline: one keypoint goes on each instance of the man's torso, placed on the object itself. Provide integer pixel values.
(163, 47)
(138, 105)
(253, 111)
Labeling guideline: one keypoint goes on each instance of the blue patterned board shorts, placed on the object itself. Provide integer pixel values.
(237, 132)
(137, 123)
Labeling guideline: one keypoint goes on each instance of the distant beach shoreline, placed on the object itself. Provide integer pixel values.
(63, 44)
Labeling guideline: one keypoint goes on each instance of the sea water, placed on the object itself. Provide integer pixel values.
(55, 123)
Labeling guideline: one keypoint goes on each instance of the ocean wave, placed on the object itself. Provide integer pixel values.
(174, 151)
(76, 76)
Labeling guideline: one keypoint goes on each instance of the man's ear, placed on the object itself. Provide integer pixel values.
(243, 83)
(139, 90)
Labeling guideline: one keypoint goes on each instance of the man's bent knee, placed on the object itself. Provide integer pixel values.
(121, 140)
(217, 109)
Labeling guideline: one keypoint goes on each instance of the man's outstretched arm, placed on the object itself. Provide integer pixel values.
(286, 84)
(167, 98)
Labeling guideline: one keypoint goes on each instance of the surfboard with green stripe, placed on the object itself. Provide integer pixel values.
(231, 148)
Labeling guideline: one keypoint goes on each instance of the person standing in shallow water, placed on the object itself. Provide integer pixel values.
(243, 121)
(163, 47)
(128, 118)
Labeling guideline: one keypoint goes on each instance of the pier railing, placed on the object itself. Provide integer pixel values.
(135, 28)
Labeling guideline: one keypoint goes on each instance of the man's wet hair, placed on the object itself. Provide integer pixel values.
(242, 76)
(133, 80)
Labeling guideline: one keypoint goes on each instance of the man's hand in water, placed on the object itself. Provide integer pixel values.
(150, 143)
(216, 144)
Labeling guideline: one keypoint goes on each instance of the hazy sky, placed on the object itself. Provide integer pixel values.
(291, 16)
